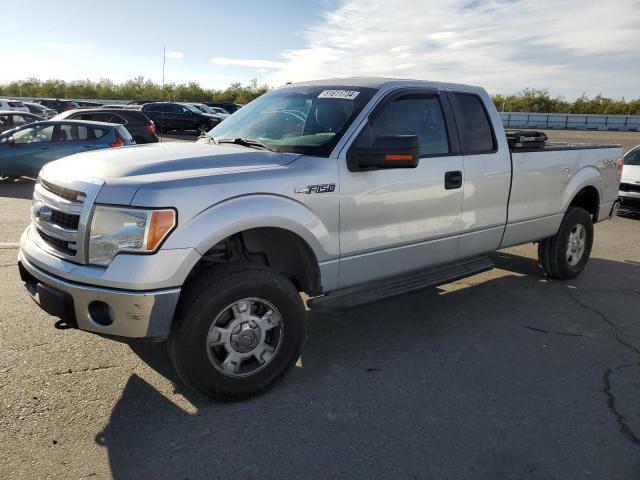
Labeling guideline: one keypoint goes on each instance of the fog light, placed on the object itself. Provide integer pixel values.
(99, 313)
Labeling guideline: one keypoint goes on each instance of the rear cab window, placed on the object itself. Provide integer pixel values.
(474, 124)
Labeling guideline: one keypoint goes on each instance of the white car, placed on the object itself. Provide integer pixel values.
(630, 182)
(13, 105)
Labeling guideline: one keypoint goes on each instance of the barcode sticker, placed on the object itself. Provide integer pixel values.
(343, 94)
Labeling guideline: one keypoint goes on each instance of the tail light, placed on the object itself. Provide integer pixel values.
(151, 127)
(119, 142)
(620, 167)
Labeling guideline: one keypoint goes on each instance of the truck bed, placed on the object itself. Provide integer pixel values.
(561, 146)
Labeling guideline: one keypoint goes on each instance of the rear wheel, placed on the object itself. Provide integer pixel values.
(566, 254)
(237, 331)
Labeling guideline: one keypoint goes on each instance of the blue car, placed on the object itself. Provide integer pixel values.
(24, 150)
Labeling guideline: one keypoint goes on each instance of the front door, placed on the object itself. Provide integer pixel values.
(398, 220)
(30, 149)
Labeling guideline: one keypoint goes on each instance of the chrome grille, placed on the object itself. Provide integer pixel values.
(59, 215)
(65, 220)
(67, 248)
(629, 187)
(62, 192)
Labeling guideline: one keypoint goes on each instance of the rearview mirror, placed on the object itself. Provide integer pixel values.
(11, 141)
(401, 151)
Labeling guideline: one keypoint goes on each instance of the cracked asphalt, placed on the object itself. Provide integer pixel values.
(503, 375)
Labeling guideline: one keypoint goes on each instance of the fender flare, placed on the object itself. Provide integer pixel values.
(585, 177)
(245, 212)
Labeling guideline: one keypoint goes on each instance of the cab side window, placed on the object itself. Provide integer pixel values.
(416, 114)
(473, 121)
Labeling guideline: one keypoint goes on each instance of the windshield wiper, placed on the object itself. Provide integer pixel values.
(245, 142)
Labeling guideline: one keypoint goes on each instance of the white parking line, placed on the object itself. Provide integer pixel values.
(7, 245)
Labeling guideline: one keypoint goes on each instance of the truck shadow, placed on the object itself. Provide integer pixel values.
(454, 380)
(19, 188)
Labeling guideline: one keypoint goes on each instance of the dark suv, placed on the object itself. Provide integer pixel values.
(57, 104)
(180, 116)
(228, 106)
(137, 123)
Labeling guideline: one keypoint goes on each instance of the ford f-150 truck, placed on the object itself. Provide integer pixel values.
(346, 190)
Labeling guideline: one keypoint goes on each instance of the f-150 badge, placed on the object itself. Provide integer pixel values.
(322, 188)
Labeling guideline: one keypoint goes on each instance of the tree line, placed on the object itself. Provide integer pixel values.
(140, 88)
(534, 100)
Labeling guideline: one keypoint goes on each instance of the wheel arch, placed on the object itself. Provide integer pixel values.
(266, 229)
(583, 191)
(588, 198)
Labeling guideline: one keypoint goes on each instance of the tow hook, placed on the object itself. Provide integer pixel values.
(62, 325)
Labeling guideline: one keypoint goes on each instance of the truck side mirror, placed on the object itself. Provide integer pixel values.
(401, 151)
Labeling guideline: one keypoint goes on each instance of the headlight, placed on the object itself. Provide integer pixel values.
(133, 230)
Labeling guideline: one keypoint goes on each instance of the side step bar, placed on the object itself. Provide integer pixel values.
(389, 287)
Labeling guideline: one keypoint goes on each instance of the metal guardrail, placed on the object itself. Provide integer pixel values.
(571, 121)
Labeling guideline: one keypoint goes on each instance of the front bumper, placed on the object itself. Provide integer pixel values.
(629, 195)
(114, 312)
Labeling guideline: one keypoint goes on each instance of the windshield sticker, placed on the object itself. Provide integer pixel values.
(343, 94)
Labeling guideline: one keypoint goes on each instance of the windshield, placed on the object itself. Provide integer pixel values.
(205, 108)
(632, 157)
(308, 120)
(192, 108)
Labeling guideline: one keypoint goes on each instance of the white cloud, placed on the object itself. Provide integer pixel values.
(568, 46)
(268, 64)
(174, 54)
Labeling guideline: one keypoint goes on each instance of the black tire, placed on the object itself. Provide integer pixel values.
(202, 302)
(552, 251)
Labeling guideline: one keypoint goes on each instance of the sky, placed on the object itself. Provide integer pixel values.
(566, 46)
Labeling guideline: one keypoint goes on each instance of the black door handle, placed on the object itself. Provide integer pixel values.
(453, 180)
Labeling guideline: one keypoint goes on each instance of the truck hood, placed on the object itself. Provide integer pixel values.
(141, 164)
(125, 170)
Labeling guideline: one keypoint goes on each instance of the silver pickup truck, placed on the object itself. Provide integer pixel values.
(346, 190)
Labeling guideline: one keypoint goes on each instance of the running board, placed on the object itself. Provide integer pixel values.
(389, 287)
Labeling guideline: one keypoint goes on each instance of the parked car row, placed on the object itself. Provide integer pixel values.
(180, 116)
(34, 133)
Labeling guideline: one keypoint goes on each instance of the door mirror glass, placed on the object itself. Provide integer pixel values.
(400, 151)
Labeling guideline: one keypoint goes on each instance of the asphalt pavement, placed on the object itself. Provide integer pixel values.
(504, 375)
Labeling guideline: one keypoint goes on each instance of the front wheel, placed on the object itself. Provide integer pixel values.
(238, 330)
(566, 254)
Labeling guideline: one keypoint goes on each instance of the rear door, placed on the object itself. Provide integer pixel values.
(31, 150)
(398, 220)
(185, 118)
(487, 173)
(74, 138)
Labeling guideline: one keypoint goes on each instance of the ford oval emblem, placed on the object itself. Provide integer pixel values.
(41, 211)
